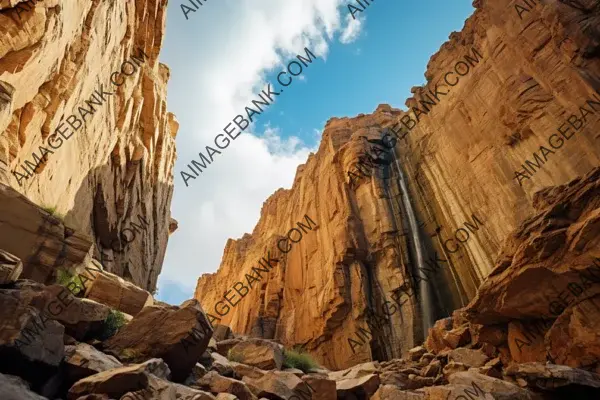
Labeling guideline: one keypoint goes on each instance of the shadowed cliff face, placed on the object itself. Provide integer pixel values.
(478, 141)
(69, 61)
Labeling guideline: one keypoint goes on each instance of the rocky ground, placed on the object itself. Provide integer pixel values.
(168, 352)
(93, 335)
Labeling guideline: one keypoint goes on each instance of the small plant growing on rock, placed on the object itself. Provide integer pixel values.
(129, 354)
(111, 324)
(299, 360)
(236, 357)
(52, 211)
(64, 277)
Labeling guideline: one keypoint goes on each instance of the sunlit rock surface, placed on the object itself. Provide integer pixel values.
(528, 72)
(116, 168)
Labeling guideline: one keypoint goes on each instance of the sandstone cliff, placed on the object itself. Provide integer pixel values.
(512, 78)
(57, 59)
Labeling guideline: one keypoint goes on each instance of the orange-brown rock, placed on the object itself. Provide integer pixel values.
(435, 339)
(525, 343)
(31, 344)
(277, 385)
(457, 337)
(574, 339)
(114, 291)
(542, 252)
(496, 335)
(357, 388)
(324, 389)
(213, 382)
(146, 381)
(79, 316)
(259, 353)
(40, 239)
(559, 249)
(459, 162)
(178, 335)
(115, 168)
(83, 360)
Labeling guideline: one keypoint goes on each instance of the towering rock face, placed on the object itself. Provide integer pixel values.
(85, 130)
(511, 105)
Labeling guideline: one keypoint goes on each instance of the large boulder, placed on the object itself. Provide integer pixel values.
(15, 388)
(556, 248)
(116, 292)
(82, 360)
(28, 338)
(258, 353)
(78, 316)
(39, 239)
(178, 335)
(146, 381)
(10, 268)
(118, 381)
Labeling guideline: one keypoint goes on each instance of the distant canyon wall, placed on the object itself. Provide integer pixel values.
(84, 122)
(506, 83)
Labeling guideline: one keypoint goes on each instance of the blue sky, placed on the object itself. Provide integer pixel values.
(226, 53)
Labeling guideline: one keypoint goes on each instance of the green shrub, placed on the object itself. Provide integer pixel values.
(299, 360)
(64, 277)
(52, 211)
(231, 356)
(129, 354)
(111, 324)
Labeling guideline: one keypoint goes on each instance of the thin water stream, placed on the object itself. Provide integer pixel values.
(424, 289)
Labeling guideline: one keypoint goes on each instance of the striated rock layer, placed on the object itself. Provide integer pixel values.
(111, 171)
(514, 79)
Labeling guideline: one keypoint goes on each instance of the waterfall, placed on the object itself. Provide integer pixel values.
(424, 289)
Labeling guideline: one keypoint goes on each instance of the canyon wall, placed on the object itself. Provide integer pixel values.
(84, 122)
(516, 78)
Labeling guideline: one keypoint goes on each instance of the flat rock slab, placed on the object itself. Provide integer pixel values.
(118, 381)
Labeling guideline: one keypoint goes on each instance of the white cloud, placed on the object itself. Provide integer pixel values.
(218, 61)
(352, 30)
